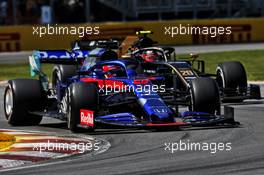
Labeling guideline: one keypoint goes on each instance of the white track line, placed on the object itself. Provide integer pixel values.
(5, 163)
(34, 147)
(103, 149)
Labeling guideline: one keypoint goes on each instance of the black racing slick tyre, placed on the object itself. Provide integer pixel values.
(205, 95)
(21, 97)
(81, 96)
(61, 73)
(230, 76)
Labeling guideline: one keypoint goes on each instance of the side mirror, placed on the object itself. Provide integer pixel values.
(194, 56)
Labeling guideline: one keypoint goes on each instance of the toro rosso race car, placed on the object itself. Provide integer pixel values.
(230, 76)
(93, 88)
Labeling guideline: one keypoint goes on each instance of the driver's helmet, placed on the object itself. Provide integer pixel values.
(150, 56)
(111, 71)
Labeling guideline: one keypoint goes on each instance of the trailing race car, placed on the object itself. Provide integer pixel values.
(105, 91)
(230, 76)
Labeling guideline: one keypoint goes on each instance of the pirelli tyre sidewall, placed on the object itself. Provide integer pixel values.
(81, 96)
(205, 96)
(231, 75)
(21, 97)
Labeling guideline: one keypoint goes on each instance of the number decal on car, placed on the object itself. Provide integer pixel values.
(186, 73)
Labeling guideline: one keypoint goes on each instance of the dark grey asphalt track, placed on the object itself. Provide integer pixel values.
(142, 152)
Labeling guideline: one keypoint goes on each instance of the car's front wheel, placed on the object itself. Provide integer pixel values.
(204, 95)
(82, 97)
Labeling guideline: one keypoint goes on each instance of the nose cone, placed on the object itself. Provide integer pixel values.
(156, 109)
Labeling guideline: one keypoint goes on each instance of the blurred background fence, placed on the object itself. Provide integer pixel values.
(119, 18)
(80, 11)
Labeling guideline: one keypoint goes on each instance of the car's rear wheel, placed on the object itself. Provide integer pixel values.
(232, 79)
(21, 97)
(204, 95)
(81, 96)
(61, 73)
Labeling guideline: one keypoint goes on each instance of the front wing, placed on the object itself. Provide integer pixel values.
(191, 119)
(250, 92)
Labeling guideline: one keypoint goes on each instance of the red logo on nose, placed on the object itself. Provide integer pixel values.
(87, 117)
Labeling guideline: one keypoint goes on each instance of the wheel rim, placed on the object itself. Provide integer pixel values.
(9, 102)
(68, 110)
(191, 107)
(69, 117)
(220, 78)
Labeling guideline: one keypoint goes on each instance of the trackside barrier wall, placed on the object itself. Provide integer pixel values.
(17, 38)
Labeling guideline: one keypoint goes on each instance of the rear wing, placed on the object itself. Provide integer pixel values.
(75, 57)
(130, 41)
(53, 57)
(59, 56)
(92, 44)
(67, 57)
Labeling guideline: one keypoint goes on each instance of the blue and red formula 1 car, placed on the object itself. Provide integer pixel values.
(93, 88)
